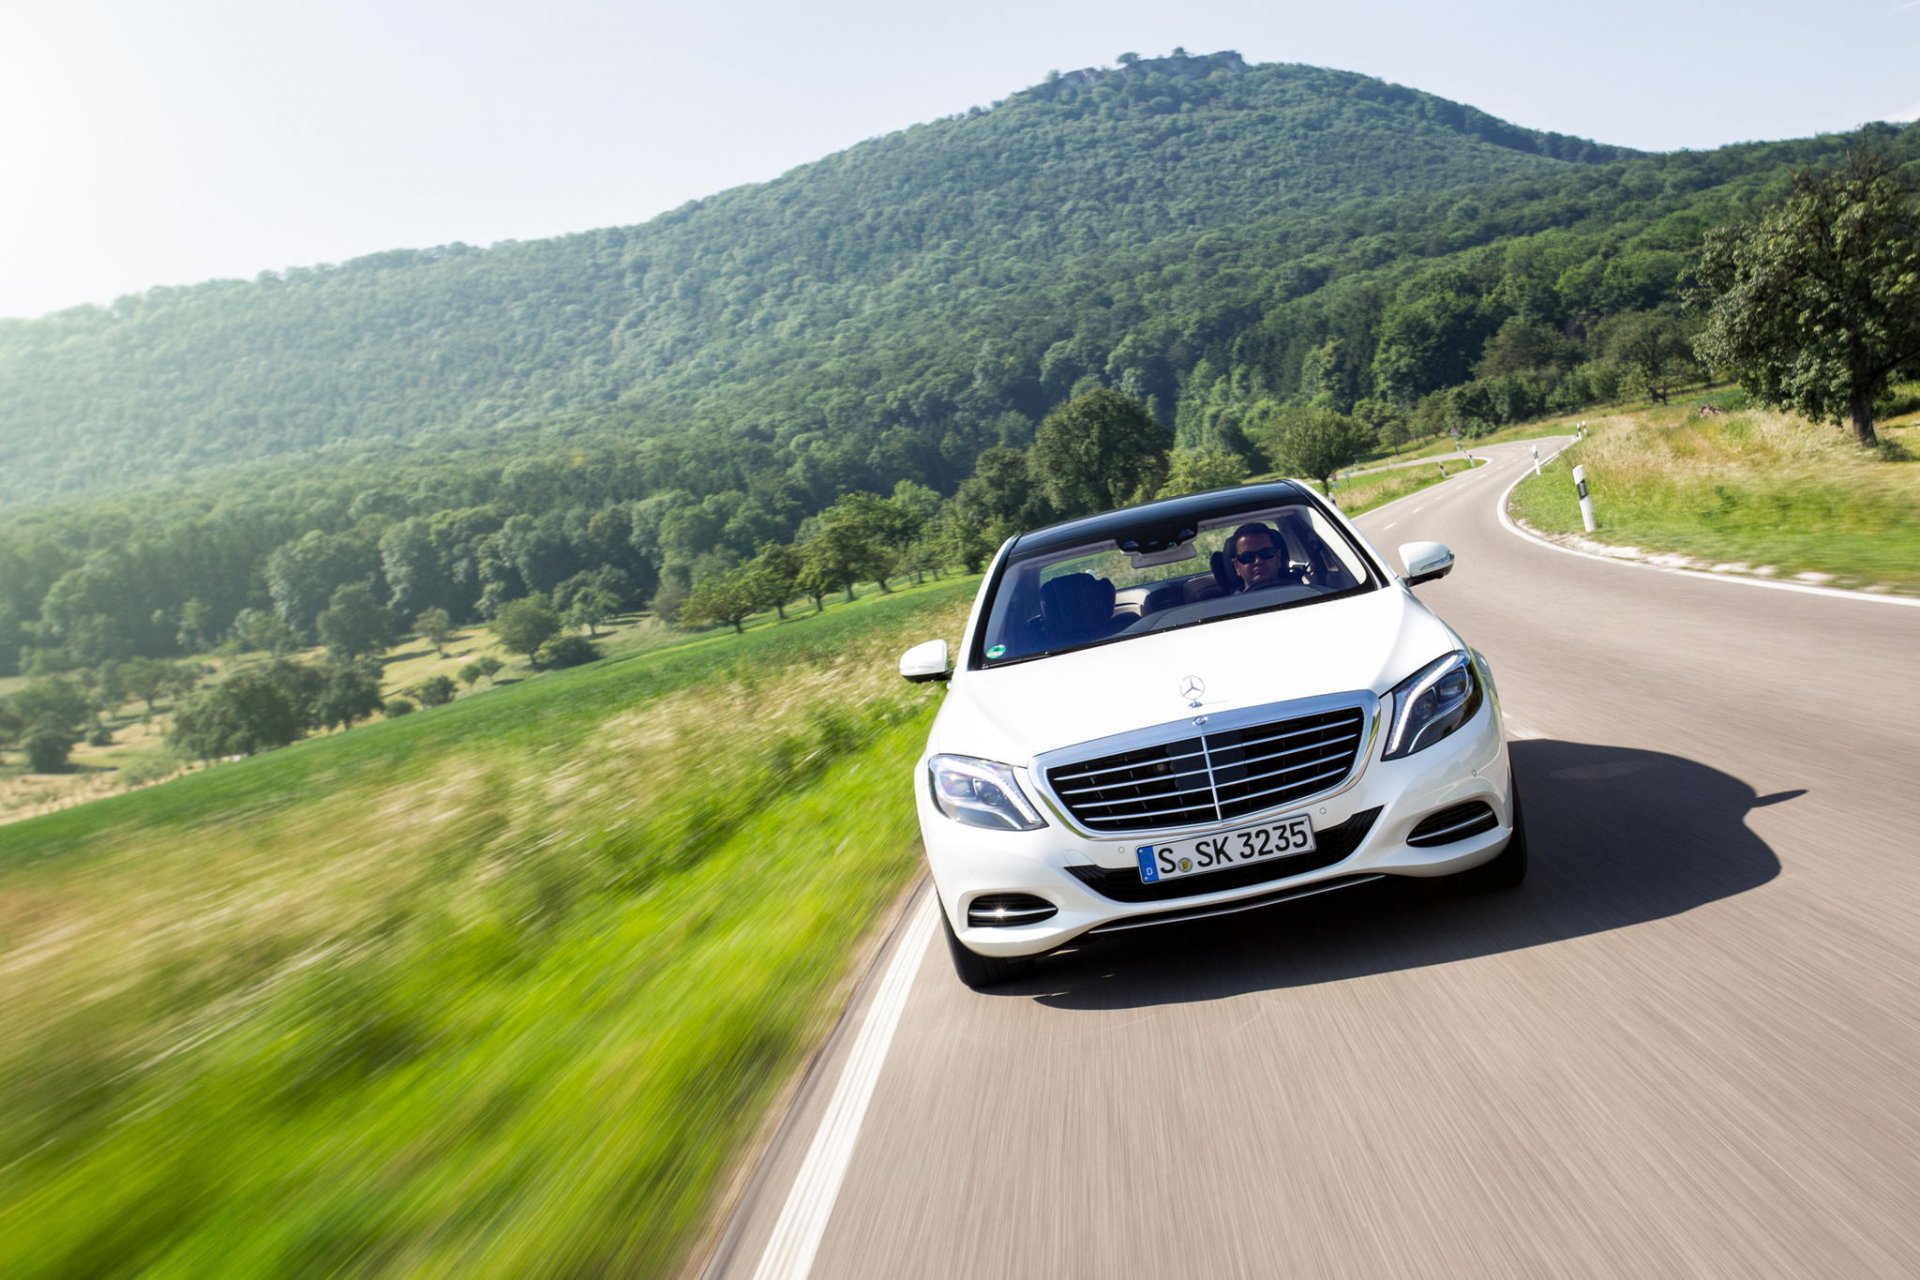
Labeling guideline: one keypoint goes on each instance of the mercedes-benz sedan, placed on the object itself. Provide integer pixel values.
(1195, 707)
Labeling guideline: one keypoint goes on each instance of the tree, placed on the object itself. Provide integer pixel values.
(249, 711)
(349, 691)
(566, 651)
(525, 624)
(354, 623)
(48, 744)
(1653, 344)
(776, 575)
(147, 678)
(55, 701)
(435, 626)
(257, 630)
(482, 668)
(1197, 470)
(1098, 451)
(590, 607)
(1315, 443)
(815, 579)
(853, 539)
(1817, 306)
(301, 575)
(721, 597)
(436, 691)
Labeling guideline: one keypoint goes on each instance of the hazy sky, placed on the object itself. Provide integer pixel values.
(148, 142)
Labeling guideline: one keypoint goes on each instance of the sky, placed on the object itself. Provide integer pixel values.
(166, 142)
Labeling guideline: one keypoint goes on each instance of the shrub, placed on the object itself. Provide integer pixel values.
(436, 691)
(399, 707)
(101, 736)
(484, 667)
(47, 746)
(524, 625)
(566, 651)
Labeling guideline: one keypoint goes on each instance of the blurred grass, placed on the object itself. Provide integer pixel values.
(1363, 493)
(1751, 487)
(498, 990)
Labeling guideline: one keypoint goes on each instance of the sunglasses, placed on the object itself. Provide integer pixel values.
(1252, 557)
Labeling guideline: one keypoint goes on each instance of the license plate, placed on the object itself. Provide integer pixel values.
(1177, 858)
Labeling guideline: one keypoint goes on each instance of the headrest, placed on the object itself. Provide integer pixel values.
(1076, 596)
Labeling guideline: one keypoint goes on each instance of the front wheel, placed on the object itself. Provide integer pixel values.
(1508, 870)
(974, 969)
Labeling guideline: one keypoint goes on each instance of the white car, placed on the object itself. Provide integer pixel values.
(1200, 706)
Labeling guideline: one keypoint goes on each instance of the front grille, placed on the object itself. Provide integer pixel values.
(1212, 778)
(1331, 845)
(1448, 825)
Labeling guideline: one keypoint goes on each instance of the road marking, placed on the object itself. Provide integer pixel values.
(1515, 730)
(803, 1221)
(1837, 593)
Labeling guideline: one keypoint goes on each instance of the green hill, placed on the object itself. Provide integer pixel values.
(703, 309)
(457, 427)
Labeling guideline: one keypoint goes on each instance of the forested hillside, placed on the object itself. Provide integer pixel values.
(1227, 246)
(704, 306)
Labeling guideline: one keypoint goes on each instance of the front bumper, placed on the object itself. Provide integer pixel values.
(969, 862)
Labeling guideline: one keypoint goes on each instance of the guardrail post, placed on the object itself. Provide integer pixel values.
(1586, 503)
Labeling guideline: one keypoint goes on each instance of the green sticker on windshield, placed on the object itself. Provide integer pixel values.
(998, 651)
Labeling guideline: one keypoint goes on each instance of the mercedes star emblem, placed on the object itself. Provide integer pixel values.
(1191, 688)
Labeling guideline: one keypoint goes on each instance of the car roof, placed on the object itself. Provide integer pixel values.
(1153, 526)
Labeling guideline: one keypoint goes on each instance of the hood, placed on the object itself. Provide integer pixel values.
(1012, 713)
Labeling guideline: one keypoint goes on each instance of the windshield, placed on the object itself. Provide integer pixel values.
(1232, 561)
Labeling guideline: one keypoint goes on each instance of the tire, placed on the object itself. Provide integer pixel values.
(976, 970)
(1508, 870)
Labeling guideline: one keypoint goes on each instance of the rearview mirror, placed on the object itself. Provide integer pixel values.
(926, 662)
(1425, 561)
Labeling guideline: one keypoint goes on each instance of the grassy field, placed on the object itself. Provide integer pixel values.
(1364, 493)
(138, 754)
(502, 987)
(1750, 489)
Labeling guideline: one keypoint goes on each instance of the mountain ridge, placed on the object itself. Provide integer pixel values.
(391, 346)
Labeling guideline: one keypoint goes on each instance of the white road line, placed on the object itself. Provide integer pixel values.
(1515, 730)
(1837, 593)
(796, 1236)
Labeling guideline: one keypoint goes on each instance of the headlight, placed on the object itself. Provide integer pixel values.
(981, 793)
(1431, 703)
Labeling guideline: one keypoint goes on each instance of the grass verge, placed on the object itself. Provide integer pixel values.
(1751, 491)
(497, 988)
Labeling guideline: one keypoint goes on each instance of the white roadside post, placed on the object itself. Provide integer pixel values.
(1586, 503)
(1536, 459)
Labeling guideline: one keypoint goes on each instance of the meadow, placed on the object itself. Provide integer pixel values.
(1748, 490)
(503, 986)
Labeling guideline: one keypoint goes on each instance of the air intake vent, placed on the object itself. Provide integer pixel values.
(1456, 823)
(1001, 910)
(1215, 777)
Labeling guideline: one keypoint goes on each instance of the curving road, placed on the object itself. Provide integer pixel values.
(1691, 1045)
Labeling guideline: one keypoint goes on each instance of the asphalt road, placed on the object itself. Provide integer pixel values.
(1689, 1046)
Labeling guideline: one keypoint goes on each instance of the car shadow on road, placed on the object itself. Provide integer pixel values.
(1618, 837)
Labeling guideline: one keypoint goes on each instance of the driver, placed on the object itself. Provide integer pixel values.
(1258, 559)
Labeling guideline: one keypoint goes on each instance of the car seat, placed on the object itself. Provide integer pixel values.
(1076, 608)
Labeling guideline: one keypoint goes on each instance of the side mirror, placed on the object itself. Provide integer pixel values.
(1425, 561)
(926, 662)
